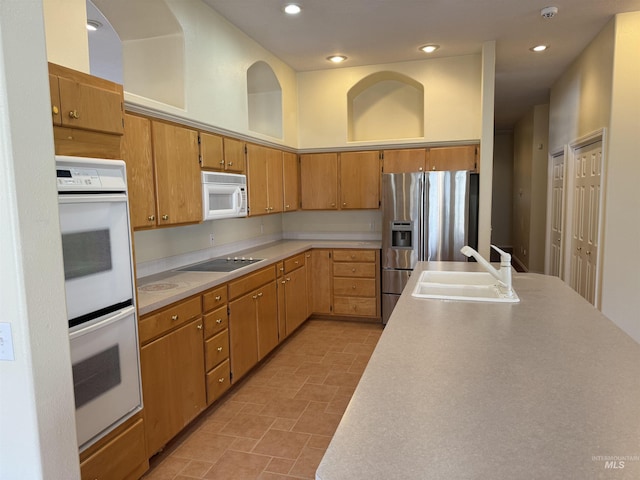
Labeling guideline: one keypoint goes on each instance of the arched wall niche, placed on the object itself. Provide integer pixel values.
(385, 106)
(264, 100)
(149, 45)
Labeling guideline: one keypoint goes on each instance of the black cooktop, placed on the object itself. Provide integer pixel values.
(220, 264)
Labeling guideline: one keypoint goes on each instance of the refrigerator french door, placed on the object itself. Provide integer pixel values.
(99, 288)
(425, 216)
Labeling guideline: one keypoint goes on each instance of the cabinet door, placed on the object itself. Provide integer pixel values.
(359, 180)
(257, 180)
(211, 151)
(320, 288)
(179, 190)
(295, 294)
(173, 383)
(243, 335)
(274, 180)
(54, 92)
(267, 310)
(90, 107)
(138, 155)
(319, 181)
(405, 160)
(234, 155)
(453, 158)
(291, 190)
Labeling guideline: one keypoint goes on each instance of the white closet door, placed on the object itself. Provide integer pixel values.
(557, 213)
(585, 225)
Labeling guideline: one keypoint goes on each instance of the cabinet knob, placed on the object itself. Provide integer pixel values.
(260, 294)
(219, 321)
(218, 298)
(308, 255)
(221, 380)
(288, 279)
(266, 209)
(283, 282)
(353, 286)
(344, 204)
(434, 167)
(221, 162)
(254, 296)
(199, 326)
(55, 110)
(74, 114)
(282, 269)
(270, 208)
(230, 164)
(296, 262)
(220, 349)
(588, 252)
(353, 270)
(333, 204)
(420, 169)
(151, 218)
(286, 206)
(174, 317)
(165, 217)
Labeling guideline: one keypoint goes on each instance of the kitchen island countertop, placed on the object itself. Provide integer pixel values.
(162, 289)
(545, 388)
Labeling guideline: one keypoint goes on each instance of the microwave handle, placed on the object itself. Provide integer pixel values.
(238, 200)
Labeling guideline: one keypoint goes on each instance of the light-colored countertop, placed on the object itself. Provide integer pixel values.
(547, 388)
(162, 289)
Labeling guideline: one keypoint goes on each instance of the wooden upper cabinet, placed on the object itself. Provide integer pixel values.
(221, 153)
(405, 160)
(138, 155)
(264, 179)
(360, 180)
(453, 158)
(85, 102)
(179, 190)
(319, 181)
(291, 184)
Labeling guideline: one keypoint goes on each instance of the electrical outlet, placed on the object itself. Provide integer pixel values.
(212, 239)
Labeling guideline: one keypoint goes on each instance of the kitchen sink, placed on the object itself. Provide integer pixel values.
(220, 265)
(462, 286)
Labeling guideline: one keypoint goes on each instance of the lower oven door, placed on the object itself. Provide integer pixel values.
(106, 374)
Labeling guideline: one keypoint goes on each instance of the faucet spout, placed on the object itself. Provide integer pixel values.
(503, 275)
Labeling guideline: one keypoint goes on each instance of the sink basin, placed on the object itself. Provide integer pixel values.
(464, 286)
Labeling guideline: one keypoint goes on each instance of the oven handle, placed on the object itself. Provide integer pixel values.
(103, 323)
(96, 198)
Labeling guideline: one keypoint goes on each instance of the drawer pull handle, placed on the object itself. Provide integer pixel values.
(219, 349)
(174, 317)
(219, 321)
(221, 380)
(218, 298)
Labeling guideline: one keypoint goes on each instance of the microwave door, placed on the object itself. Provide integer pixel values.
(222, 201)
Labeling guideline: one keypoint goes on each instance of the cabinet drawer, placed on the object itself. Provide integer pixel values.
(177, 314)
(354, 255)
(292, 263)
(216, 349)
(354, 287)
(367, 270)
(215, 322)
(359, 306)
(251, 282)
(214, 298)
(218, 381)
(124, 457)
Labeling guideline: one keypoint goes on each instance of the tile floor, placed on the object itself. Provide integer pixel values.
(278, 422)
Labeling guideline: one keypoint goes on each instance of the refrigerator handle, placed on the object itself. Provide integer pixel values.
(422, 205)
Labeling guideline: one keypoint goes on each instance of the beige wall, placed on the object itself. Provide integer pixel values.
(621, 263)
(522, 163)
(66, 33)
(452, 96)
(502, 201)
(600, 90)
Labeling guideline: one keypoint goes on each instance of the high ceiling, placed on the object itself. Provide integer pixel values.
(385, 31)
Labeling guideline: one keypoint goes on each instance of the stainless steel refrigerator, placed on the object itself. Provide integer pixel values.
(425, 216)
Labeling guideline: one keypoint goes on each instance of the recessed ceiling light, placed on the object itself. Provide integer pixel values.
(539, 48)
(429, 48)
(292, 9)
(336, 58)
(93, 25)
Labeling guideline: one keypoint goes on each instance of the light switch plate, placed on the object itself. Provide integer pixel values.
(6, 342)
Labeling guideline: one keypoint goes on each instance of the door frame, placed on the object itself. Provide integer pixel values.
(593, 137)
(564, 151)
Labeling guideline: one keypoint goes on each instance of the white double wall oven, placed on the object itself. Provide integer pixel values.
(99, 285)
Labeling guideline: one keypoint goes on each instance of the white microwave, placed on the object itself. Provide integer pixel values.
(224, 195)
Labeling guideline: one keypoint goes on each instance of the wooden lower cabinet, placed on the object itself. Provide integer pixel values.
(253, 320)
(319, 288)
(173, 383)
(293, 293)
(356, 283)
(122, 456)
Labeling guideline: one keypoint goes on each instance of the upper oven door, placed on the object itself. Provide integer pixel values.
(223, 201)
(97, 255)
